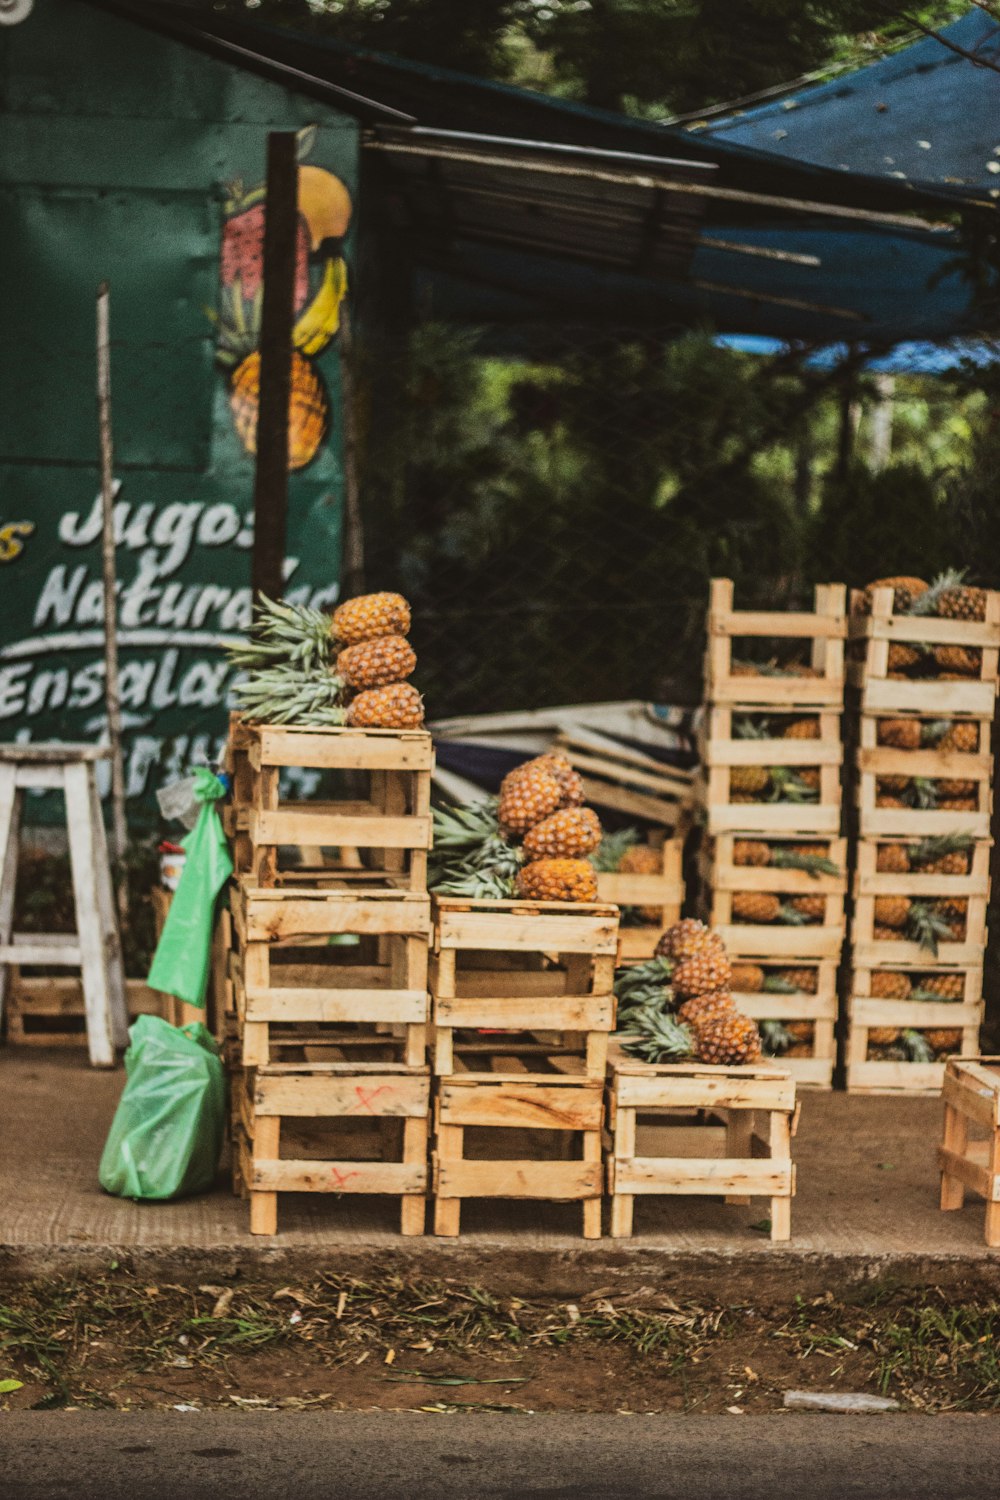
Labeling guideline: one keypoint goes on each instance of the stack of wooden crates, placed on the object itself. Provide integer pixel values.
(328, 969)
(772, 733)
(523, 1007)
(900, 990)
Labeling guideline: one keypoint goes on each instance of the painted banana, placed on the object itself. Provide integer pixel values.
(321, 319)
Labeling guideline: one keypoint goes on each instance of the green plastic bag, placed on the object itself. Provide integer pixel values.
(183, 954)
(166, 1136)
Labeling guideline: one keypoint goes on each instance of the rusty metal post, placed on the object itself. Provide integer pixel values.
(270, 496)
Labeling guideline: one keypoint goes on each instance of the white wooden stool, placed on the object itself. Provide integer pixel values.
(95, 947)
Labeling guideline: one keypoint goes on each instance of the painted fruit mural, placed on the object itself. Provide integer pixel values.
(320, 287)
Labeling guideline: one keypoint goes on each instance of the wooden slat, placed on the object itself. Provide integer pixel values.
(665, 1092)
(550, 1105)
(370, 832)
(278, 1004)
(501, 931)
(770, 940)
(338, 1176)
(515, 1013)
(314, 1095)
(299, 915)
(703, 1175)
(557, 1181)
(970, 1174)
(357, 749)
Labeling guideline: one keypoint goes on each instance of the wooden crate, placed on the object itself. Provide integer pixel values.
(723, 751)
(291, 985)
(663, 891)
(822, 632)
(871, 883)
(758, 1163)
(385, 824)
(819, 1008)
(722, 879)
(969, 1155)
(873, 1075)
(874, 761)
(527, 1103)
(872, 634)
(627, 780)
(525, 967)
(269, 1103)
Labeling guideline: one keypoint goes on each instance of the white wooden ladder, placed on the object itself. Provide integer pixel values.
(95, 947)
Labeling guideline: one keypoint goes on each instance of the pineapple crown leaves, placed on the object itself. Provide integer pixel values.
(467, 827)
(916, 1047)
(774, 1037)
(751, 729)
(934, 730)
(792, 917)
(920, 993)
(613, 848)
(646, 986)
(656, 971)
(936, 848)
(283, 634)
(237, 325)
(288, 695)
(787, 787)
(813, 864)
(774, 984)
(923, 793)
(926, 927)
(655, 1036)
(475, 885)
(927, 602)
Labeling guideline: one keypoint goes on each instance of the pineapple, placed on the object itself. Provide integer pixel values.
(944, 1041)
(748, 781)
(747, 979)
(369, 616)
(642, 859)
(703, 974)
(755, 906)
(751, 852)
(963, 661)
(308, 407)
(958, 804)
(558, 880)
(376, 663)
(940, 987)
(902, 657)
(801, 729)
(883, 1036)
(813, 908)
(569, 833)
(726, 1039)
(562, 769)
(396, 706)
(892, 911)
(690, 938)
(806, 980)
(809, 777)
(905, 592)
(950, 597)
(901, 734)
(946, 855)
(528, 795)
(960, 790)
(700, 1006)
(813, 858)
(884, 799)
(961, 735)
(893, 784)
(801, 1031)
(892, 859)
(890, 984)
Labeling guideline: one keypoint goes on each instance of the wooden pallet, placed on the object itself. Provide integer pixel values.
(872, 634)
(971, 1092)
(822, 632)
(269, 1103)
(384, 824)
(519, 1101)
(627, 780)
(756, 1164)
(722, 752)
(290, 984)
(881, 1075)
(524, 966)
(820, 1009)
(875, 761)
(722, 878)
(663, 891)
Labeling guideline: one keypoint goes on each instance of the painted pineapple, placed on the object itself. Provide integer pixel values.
(900, 734)
(941, 986)
(813, 908)
(308, 407)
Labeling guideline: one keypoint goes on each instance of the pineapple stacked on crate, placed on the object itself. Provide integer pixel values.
(923, 676)
(522, 981)
(773, 859)
(331, 916)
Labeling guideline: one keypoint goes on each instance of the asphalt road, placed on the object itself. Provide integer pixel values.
(412, 1456)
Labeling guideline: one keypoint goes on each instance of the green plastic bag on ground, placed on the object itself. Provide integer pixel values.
(183, 954)
(166, 1136)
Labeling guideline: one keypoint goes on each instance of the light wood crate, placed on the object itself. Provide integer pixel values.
(663, 891)
(756, 1105)
(268, 1105)
(285, 994)
(722, 878)
(387, 828)
(723, 751)
(819, 1008)
(864, 1012)
(871, 635)
(527, 1103)
(524, 967)
(822, 631)
(874, 761)
(870, 884)
(969, 1155)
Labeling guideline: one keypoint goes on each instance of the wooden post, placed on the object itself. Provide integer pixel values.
(270, 496)
(352, 570)
(112, 692)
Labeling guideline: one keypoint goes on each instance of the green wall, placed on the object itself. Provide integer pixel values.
(118, 149)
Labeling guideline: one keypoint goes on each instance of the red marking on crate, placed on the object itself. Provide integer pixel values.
(367, 1097)
(339, 1178)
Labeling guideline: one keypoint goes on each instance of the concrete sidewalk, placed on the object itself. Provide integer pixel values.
(866, 1207)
